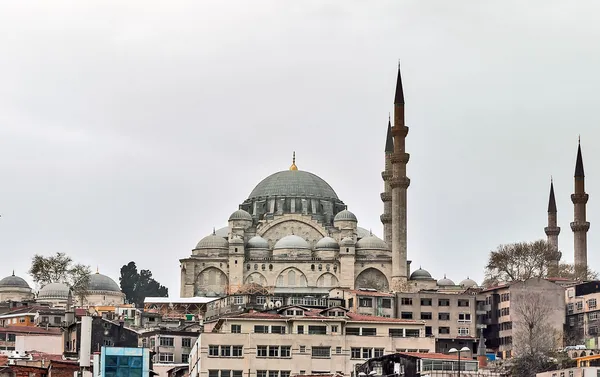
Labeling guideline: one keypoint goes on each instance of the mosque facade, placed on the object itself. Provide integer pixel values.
(293, 233)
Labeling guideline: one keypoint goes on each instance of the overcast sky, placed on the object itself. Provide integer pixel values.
(128, 129)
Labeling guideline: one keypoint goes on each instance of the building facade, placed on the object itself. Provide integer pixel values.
(169, 346)
(583, 315)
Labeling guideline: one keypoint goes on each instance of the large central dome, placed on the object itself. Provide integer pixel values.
(293, 183)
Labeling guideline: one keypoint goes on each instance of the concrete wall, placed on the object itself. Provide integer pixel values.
(52, 344)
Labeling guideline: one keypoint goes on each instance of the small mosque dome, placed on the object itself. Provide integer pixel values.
(327, 243)
(13, 282)
(420, 274)
(468, 283)
(445, 282)
(213, 242)
(345, 215)
(371, 243)
(257, 242)
(291, 242)
(54, 291)
(347, 241)
(240, 214)
(99, 282)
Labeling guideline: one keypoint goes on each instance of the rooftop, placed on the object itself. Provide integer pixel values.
(31, 330)
(179, 300)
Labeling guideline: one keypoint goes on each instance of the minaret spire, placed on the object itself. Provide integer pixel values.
(552, 231)
(580, 225)
(386, 195)
(294, 167)
(399, 98)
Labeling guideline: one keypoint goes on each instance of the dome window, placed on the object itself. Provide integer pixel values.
(320, 267)
(248, 267)
(270, 267)
(256, 266)
(263, 267)
(312, 267)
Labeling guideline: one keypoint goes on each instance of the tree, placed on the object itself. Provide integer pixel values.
(59, 268)
(524, 260)
(138, 286)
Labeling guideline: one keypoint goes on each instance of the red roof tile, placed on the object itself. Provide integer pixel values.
(358, 292)
(3, 360)
(31, 330)
(434, 356)
(37, 356)
(372, 318)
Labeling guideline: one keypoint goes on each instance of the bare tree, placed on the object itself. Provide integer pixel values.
(567, 270)
(59, 268)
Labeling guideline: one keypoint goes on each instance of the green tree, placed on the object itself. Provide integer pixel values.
(59, 268)
(137, 286)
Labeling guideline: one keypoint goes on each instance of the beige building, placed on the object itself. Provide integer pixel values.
(366, 301)
(504, 303)
(171, 346)
(583, 315)
(296, 340)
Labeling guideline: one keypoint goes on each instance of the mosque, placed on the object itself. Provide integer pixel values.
(294, 234)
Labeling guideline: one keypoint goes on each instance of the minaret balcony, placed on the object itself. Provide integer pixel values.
(386, 218)
(400, 158)
(552, 230)
(400, 131)
(386, 197)
(580, 226)
(580, 198)
(402, 182)
(386, 175)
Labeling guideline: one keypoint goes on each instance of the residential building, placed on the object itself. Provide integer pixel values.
(366, 301)
(24, 316)
(9, 334)
(419, 364)
(188, 308)
(583, 314)
(296, 340)
(170, 345)
(104, 333)
(504, 304)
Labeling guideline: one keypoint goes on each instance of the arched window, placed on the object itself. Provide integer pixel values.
(292, 278)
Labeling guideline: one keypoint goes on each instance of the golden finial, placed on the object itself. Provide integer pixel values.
(97, 270)
(294, 167)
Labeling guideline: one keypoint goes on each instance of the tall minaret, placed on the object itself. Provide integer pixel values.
(386, 195)
(552, 231)
(579, 225)
(399, 184)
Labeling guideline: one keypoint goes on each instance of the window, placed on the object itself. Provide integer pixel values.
(278, 329)
(108, 343)
(300, 329)
(236, 329)
(463, 331)
(355, 353)
(237, 351)
(238, 300)
(386, 303)
(443, 302)
(378, 352)
(166, 341)
(261, 351)
(286, 351)
(165, 357)
(570, 308)
(444, 330)
(579, 305)
(273, 351)
(302, 349)
(351, 303)
(396, 333)
(57, 320)
(260, 373)
(186, 342)
(464, 317)
(369, 331)
(592, 303)
(226, 373)
(274, 373)
(338, 350)
(284, 373)
(184, 358)
(352, 331)
(317, 330)
(406, 301)
(425, 302)
(261, 300)
(414, 333)
(289, 312)
(213, 373)
(44, 319)
(406, 315)
(444, 316)
(334, 328)
(225, 351)
(366, 353)
(593, 330)
(261, 329)
(365, 302)
(593, 316)
(321, 352)
(426, 315)
(463, 303)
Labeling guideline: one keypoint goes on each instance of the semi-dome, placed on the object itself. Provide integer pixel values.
(14, 282)
(240, 214)
(347, 241)
(345, 215)
(291, 242)
(99, 282)
(54, 291)
(420, 274)
(293, 183)
(468, 283)
(445, 282)
(257, 242)
(371, 243)
(213, 242)
(327, 243)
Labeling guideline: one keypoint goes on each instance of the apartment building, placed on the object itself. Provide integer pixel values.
(449, 316)
(503, 303)
(9, 334)
(296, 340)
(583, 314)
(366, 301)
(170, 346)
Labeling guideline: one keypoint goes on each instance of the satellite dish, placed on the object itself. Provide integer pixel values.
(271, 305)
(278, 304)
(265, 305)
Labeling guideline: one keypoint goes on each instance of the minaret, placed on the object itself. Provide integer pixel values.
(399, 185)
(386, 195)
(552, 231)
(579, 225)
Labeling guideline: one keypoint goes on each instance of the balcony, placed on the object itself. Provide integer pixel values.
(481, 326)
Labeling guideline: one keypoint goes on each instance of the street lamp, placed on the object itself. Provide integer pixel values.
(454, 350)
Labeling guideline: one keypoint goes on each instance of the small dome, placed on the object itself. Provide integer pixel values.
(327, 243)
(420, 274)
(445, 282)
(371, 243)
(348, 241)
(213, 242)
(291, 242)
(345, 215)
(240, 214)
(99, 282)
(468, 283)
(54, 291)
(13, 282)
(257, 242)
